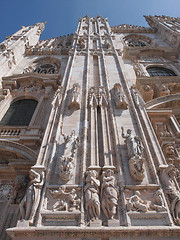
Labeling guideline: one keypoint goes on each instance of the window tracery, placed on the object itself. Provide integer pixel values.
(136, 43)
(45, 69)
(159, 71)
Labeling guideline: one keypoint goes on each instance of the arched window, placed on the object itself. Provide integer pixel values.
(160, 71)
(46, 69)
(19, 113)
(136, 43)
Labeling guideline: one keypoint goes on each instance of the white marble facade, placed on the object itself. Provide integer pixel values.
(99, 157)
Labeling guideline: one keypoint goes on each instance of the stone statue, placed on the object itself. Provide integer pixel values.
(93, 102)
(109, 194)
(168, 174)
(134, 144)
(30, 202)
(70, 144)
(135, 203)
(75, 96)
(19, 188)
(66, 167)
(102, 98)
(91, 189)
(119, 97)
(67, 201)
(158, 203)
(66, 164)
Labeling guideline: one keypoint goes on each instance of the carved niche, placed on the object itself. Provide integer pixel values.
(75, 97)
(135, 150)
(66, 161)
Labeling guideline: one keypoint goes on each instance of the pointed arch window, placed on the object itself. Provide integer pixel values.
(160, 71)
(19, 113)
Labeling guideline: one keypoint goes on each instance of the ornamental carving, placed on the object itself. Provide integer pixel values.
(67, 200)
(5, 192)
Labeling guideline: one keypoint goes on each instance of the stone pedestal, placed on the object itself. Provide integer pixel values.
(96, 223)
(113, 223)
(23, 223)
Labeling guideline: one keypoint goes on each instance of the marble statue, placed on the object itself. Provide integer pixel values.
(135, 203)
(75, 96)
(66, 166)
(109, 194)
(102, 99)
(70, 144)
(119, 97)
(168, 175)
(134, 144)
(158, 202)
(91, 189)
(29, 203)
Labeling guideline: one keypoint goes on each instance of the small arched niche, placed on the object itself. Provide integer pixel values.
(19, 113)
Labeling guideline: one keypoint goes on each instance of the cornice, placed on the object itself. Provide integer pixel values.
(72, 232)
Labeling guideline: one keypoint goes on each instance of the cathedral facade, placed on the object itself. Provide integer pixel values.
(90, 132)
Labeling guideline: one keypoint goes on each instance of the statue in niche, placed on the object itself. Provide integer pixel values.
(109, 194)
(81, 43)
(66, 161)
(168, 175)
(135, 150)
(93, 102)
(135, 96)
(68, 201)
(102, 98)
(134, 144)
(158, 203)
(70, 144)
(30, 202)
(57, 96)
(19, 188)
(135, 203)
(91, 189)
(107, 45)
(66, 167)
(75, 96)
(119, 97)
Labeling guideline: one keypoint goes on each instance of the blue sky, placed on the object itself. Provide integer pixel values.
(62, 15)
